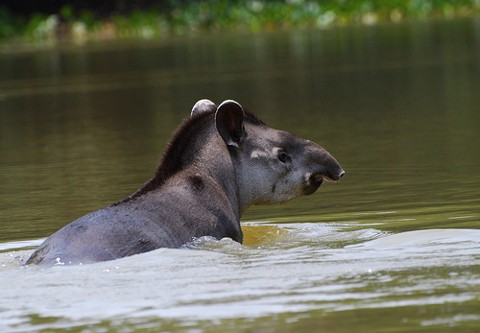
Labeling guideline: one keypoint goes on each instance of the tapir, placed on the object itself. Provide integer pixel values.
(219, 162)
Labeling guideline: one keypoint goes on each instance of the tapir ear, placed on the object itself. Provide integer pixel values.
(203, 105)
(229, 122)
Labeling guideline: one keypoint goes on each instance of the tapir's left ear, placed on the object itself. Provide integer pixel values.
(229, 122)
(203, 105)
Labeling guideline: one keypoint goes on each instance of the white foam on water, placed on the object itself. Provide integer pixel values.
(307, 266)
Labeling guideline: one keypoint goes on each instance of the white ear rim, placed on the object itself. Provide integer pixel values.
(203, 105)
(230, 101)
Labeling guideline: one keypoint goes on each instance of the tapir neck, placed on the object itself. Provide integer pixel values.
(224, 175)
(208, 158)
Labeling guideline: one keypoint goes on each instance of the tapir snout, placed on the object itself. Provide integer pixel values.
(325, 168)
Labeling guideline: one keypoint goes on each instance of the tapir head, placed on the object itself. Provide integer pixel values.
(271, 166)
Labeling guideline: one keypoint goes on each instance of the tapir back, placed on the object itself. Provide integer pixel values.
(168, 217)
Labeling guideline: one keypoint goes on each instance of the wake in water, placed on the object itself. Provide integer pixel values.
(295, 267)
(269, 236)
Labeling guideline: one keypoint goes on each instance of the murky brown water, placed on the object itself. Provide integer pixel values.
(395, 246)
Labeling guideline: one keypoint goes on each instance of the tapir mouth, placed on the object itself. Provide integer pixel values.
(320, 178)
(313, 181)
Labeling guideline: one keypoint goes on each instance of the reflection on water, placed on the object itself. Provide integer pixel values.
(81, 127)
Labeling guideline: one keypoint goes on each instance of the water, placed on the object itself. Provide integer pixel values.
(394, 246)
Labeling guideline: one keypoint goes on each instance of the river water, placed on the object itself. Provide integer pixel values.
(393, 247)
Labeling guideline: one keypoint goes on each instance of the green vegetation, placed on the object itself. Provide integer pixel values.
(189, 17)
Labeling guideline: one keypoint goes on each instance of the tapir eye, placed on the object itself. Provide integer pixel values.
(283, 156)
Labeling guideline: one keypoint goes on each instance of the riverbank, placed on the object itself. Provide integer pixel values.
(206, 16)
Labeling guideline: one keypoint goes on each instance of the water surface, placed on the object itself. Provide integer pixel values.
(394, 246)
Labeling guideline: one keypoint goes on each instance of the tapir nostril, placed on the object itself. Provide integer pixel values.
(340, 175)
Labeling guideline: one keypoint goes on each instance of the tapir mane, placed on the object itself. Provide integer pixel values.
(180, 151)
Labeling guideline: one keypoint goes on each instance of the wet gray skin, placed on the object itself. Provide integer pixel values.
(220, 161)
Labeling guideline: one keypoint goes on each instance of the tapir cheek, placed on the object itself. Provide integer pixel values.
(287, 189)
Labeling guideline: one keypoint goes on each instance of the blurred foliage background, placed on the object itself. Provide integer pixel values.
(93, 19)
